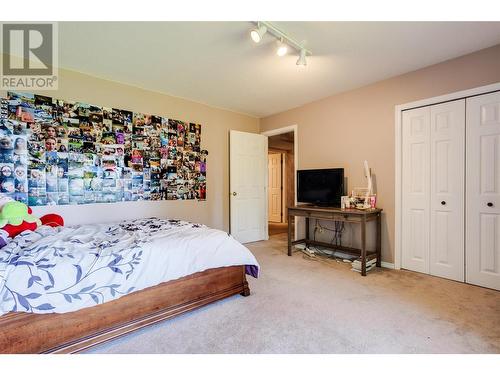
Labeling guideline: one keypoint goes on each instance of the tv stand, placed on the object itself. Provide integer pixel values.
(350, 215)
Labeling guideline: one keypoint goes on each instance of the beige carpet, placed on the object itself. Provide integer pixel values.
(304, 306)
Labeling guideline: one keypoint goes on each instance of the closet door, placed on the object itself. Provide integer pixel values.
(416, 189)
(447, 164)
(483, 191)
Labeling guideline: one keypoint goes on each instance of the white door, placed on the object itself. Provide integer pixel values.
(416, 189)
(447, 144)
(483, 191)
(275, 187)
(248, 185)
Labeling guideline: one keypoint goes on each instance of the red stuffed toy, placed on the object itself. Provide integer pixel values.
(14, 230)
(16, 217)
(53, 220)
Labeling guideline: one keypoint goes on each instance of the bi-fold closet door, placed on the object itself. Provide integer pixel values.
(483, 191)
(433, 183)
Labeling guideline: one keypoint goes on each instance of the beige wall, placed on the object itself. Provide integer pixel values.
(345, 129)
(215, 126)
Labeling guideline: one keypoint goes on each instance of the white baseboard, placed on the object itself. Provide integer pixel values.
(387, 265)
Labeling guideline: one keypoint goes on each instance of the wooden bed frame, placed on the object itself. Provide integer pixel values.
(76, 331)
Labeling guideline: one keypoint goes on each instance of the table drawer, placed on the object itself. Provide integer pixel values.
(325, 215)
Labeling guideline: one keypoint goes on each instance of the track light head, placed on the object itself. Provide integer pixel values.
(302, 58)
(282, 48)
(258, 33)
(283, 41)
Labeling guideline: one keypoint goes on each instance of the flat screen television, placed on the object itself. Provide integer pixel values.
(322, 187)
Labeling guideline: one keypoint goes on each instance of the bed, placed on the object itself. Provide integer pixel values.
(63, 290)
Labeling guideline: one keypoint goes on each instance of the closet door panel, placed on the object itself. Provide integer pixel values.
(415, 180)
(483, 191)
(447, 163)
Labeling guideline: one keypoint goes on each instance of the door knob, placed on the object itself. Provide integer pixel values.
(489, 204)
(443, 203)
(235, 194)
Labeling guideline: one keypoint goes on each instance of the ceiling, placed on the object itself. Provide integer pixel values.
(216, 63)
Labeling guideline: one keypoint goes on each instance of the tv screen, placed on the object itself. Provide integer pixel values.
(320, 186)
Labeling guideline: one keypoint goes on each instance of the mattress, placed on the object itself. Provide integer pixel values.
(58, 270)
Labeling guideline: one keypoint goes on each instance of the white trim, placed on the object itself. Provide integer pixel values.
(453, 96)
(398, 156)
(287, 129)
(283, 187)
(397, 190)
(283, 130)
(387, 265)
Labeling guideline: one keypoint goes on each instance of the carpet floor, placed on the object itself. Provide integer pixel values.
(300, 305)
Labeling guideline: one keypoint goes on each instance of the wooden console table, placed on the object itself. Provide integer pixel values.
(351, 215)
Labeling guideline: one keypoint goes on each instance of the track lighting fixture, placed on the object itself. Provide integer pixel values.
(258, 33)
(302, 58)
(283, 40)
(282, 48)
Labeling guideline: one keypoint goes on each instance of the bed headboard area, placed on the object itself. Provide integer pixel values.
(55, 152)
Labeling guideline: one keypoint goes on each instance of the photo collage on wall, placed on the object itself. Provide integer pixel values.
(56, 152)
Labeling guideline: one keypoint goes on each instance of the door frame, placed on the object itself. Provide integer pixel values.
(398, 113)
(287, 129)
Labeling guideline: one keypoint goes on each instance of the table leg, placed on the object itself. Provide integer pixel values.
(307, 229)
(363, 246)
(379, 240)
(289, 236)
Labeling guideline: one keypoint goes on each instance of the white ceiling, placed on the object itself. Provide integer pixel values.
(217, 63)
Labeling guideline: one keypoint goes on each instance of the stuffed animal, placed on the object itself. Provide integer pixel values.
(16, 217)
(53, 220)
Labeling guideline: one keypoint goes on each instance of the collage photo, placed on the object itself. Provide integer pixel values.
(57, 152)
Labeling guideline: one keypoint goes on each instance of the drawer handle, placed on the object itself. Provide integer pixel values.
(443, 203)
(490, 204)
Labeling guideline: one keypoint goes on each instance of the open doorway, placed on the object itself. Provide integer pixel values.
(281, 180)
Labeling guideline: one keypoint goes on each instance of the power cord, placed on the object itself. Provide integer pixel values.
(327, 259)
(339, 227)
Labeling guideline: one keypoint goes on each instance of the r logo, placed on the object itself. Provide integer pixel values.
(27, 49)
(29, 56)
